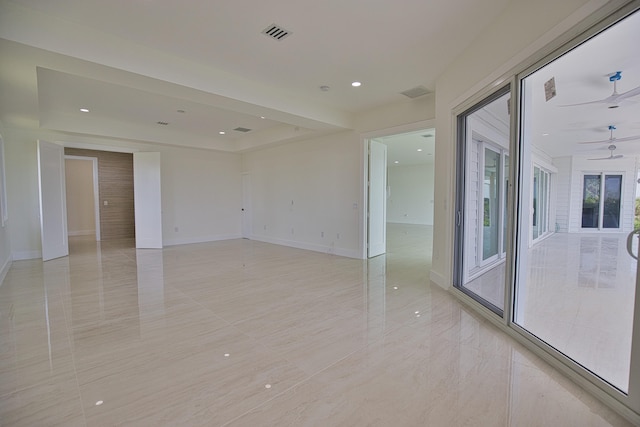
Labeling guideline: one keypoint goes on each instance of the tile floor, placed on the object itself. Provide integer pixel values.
(243, 333)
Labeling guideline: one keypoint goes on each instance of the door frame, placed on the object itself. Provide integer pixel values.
(364, 171)
(246, 213)
(96, 188)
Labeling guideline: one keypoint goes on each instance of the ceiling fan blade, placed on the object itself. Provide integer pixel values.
(617, 156)
(601, 101)
(629, 93)
(627, 138)
(602, 141)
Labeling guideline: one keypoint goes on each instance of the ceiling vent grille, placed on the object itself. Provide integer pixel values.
(162, 123)
(241, 129)
(276, 32)
(416, 92)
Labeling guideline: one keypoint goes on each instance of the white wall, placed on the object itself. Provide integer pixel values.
(201, 195)
(523, 30)
(561, 181)
(307, 194)
(81, 217)
(411, 194)
(22, 193)
(201, 189)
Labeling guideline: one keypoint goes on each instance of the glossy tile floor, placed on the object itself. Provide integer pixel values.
(242, 333)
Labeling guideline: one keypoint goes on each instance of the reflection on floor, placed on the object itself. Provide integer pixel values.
(243, 333)
(579, 298)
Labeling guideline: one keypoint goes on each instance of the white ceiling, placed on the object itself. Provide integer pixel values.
(581, 76)
(136, 62)
(411, 148)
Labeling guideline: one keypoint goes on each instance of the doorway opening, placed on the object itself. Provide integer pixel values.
(83, 196)
(400, 191)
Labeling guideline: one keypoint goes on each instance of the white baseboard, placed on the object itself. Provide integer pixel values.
(5, 269)
(82, 233)
(23, 255)
(349, 253)
(200, 239)
(439, 279)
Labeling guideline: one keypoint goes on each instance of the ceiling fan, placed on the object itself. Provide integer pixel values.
(611, 148)
(612, 138)
(613, 99)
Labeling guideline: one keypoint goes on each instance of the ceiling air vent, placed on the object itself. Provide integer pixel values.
(276, 32)
(241, 129)
(415, 92)
(163, 123)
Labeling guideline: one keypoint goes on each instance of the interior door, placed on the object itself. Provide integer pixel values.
(247, 223)
(53, 210)
(148, 200)
(377, 223)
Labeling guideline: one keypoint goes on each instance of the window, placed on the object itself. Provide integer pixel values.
(601, 212)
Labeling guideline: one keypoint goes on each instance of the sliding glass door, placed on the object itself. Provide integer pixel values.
(601, 212)
(560, 244)
(481, 209)
(575, 290)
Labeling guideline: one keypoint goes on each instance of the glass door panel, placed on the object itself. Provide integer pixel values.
(575, 290)
(611, 202)
(481, 213)
(591, 201)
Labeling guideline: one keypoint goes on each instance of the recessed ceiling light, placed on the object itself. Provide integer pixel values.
(262, 117)
(396, 162)
(222, 132)
(84, 110)
(419, 149)
(356, 84)
(545, 134)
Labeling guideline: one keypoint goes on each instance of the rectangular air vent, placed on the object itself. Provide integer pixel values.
(241, 129)
(415, 92)
(163, 123)
(276, 32)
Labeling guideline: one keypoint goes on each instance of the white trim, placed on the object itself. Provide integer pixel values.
(200, 239)
(439, 279)
(24, 255)
(332, 250)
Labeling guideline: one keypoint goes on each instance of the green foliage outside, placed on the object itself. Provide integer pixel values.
(636, 218)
